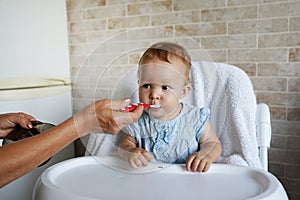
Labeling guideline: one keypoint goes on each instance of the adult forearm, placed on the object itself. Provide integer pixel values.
(23, 156)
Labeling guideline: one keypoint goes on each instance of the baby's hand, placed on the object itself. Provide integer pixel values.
(198, 162)
(139, 157)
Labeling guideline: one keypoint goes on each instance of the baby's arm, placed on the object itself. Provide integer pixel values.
(135, 156)
(210, 150)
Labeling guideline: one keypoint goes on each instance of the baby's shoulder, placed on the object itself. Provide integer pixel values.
(195, 110)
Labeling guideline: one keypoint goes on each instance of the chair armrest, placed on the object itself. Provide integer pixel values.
(264, 133)
(263, 125)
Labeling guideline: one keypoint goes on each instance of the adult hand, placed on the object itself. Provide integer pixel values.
(104, 116)
(8, 122)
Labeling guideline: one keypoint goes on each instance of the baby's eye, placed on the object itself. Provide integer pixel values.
(165, 87)
(146, 86)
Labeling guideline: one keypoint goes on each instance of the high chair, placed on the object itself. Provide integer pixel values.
(242, 126)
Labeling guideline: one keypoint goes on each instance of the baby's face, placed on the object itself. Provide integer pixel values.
(162, 83)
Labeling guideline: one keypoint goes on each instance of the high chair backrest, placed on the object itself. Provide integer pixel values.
(228, 92)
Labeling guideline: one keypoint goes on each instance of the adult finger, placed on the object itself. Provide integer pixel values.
(119, 104)
(122, 119)
(24, 120)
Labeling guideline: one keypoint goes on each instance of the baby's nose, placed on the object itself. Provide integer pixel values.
(155, 94)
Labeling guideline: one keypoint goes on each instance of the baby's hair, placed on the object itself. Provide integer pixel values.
(163, 51)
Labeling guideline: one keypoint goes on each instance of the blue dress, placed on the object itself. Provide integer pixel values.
(170, 141)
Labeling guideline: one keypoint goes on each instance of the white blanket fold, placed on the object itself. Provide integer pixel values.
(228, 92)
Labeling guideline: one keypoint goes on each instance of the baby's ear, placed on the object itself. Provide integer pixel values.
(186, 89)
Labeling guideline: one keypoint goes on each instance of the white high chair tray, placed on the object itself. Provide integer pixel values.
(111, 178)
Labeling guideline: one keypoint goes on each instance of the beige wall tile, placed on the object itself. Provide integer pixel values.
(295, 24)
(269, 84)
(293, 171)
(107, 82)
(229, 14)
(229, 42)
(175, 18)
(101, 36)
(294, 85)
(202, 29)
(279, 141)
(192, 4)
(150, 35)
(93, 3)
(249, 2)
(279, 98)
(213, 56)
(75, 62)
(94, 25)
(76, 15)
(77, 38)
(119, 2)
(84, 92)
(106, 12)
(243, 2)
(294, 55)
(276, 168)
(119, 71)
(249, 68)
(279, 9)
(103, 93)
(113, 2)
(287, 128)
(293, 114)
(258, 26)
(257, 55)
(80, 49)
(74, 5)
(279, 69)
(129, 22)
(149, 8)
(279, 40)
(278, 113)
(285, 156)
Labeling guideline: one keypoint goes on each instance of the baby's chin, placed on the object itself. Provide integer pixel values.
(155, 114)
(160, 116)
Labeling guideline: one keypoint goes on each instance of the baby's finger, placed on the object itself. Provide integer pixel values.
(144, 160)
(189, 163)
(206, 167)
(135, 163)
(148, 156)
(195, 165)
(201, 166)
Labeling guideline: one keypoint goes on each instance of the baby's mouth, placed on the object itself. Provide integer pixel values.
(155, 106)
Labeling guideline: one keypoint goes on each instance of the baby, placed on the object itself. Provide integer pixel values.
(171, 131)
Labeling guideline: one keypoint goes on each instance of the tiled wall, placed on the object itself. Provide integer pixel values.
(262, 37)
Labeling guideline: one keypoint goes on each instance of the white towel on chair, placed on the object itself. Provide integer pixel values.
(228, 92)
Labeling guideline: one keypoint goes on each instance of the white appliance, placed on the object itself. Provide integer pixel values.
(34, 73)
